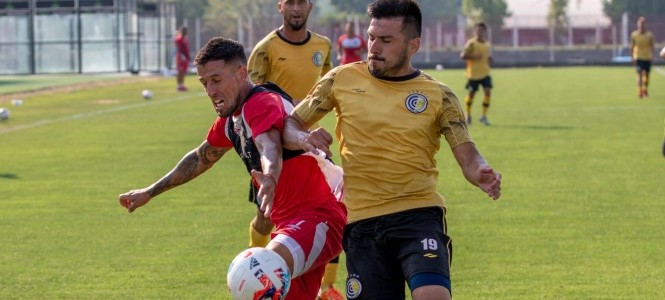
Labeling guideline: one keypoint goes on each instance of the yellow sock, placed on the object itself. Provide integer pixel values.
(330, 275)
(645, 80)
(468, 101)
(486, 105)
(256, 239)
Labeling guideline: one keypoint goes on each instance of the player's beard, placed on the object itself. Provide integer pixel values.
(297, 26)
(228, 111)
(402, 60)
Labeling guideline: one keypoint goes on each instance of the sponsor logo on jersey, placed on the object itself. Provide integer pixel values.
(430, 255)
(353, 286)
(317, 58)
(416, 103)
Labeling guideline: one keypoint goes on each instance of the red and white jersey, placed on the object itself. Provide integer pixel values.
(302, 184)
(351, 47)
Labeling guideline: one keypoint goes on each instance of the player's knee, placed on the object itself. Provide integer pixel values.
(430, 286)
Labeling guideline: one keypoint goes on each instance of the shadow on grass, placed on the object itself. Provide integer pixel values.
(11, 81)
(536, 127)
(9, 176)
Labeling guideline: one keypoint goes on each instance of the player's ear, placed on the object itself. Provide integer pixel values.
(242, 73)
(413, 45)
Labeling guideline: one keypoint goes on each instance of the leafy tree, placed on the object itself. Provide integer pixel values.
(492, 12)
(557, 17)
(432, 10)
(613, 9)
(190, 10)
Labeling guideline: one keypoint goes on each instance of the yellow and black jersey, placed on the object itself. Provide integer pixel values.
(477, 68)
(642, 45)
(389, 130)
(294, 67)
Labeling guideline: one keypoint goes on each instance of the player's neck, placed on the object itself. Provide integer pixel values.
(293, 36)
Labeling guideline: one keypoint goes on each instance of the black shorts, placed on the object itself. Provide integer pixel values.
(382, 252)
(643, 65)
(472, 85)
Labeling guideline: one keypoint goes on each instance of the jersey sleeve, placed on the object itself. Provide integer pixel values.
(264, 112)
(327, 65)
(468, 48)
(319, 101)
(258, 64)
(217, 134)
(451, 119)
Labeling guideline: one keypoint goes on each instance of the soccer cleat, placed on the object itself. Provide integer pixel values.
(645, 93)
(330, 293)
(484, 120)
(182, 89)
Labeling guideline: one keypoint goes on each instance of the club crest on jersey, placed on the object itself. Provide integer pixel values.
(317, 58)
(353, 286)
(416, 103)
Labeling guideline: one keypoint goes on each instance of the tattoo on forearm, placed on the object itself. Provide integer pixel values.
(186, 170)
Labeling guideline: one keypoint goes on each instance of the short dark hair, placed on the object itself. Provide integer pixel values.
(407, 9)
(481, 25)
(220, 48)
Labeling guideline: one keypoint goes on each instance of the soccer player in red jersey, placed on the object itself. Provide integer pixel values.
(298, 191)
(350, 46)
(181, 57)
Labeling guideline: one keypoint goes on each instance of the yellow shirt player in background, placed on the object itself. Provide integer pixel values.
(294, 58)
(641, 46)
(390, 118)
(478, 57)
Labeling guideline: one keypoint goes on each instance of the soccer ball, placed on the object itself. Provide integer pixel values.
(258, 273)
(147, 94)
(4, 114)
(662, 53)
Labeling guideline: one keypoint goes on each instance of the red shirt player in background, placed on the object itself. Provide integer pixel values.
(181, 57)
(350, 47)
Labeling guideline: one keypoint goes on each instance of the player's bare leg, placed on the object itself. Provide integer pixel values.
(431, 292)
(259, 230)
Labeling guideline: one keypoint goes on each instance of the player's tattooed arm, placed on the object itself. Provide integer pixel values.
(193, 164)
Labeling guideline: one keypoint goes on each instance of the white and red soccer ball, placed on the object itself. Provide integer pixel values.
(258, 273)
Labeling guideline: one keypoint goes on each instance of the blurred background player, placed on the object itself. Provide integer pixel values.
(350, 46)
(294, 58)
(641, 47)
(389, 134)
(293, 190)
(182, 58)
(477, 53)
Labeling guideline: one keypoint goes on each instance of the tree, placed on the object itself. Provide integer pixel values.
(613, 9)
(432, 10)
(189, 10)
(492, 12)
(557, 17)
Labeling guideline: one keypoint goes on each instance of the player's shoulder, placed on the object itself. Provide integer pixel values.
(267, 40)
(357, 68)
(445, 89)
(315, 37)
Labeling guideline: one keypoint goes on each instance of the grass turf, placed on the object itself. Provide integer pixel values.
(580, 216)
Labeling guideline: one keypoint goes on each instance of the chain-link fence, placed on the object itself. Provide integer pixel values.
(83, 36)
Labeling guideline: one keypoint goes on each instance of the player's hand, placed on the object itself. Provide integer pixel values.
(317, 140)
(134, 199)
(490, 182)
(266, 194)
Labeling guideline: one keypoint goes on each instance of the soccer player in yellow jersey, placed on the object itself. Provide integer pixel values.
(390, 119)
(641, 46)
(294, 58)
(478, 57)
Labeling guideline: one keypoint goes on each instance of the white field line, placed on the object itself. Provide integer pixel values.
(660, 70)
(95, 113)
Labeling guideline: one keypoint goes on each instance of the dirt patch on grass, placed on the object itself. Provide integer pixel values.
(77, 87)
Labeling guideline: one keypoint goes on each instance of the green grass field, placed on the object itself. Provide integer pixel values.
(581, 216)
